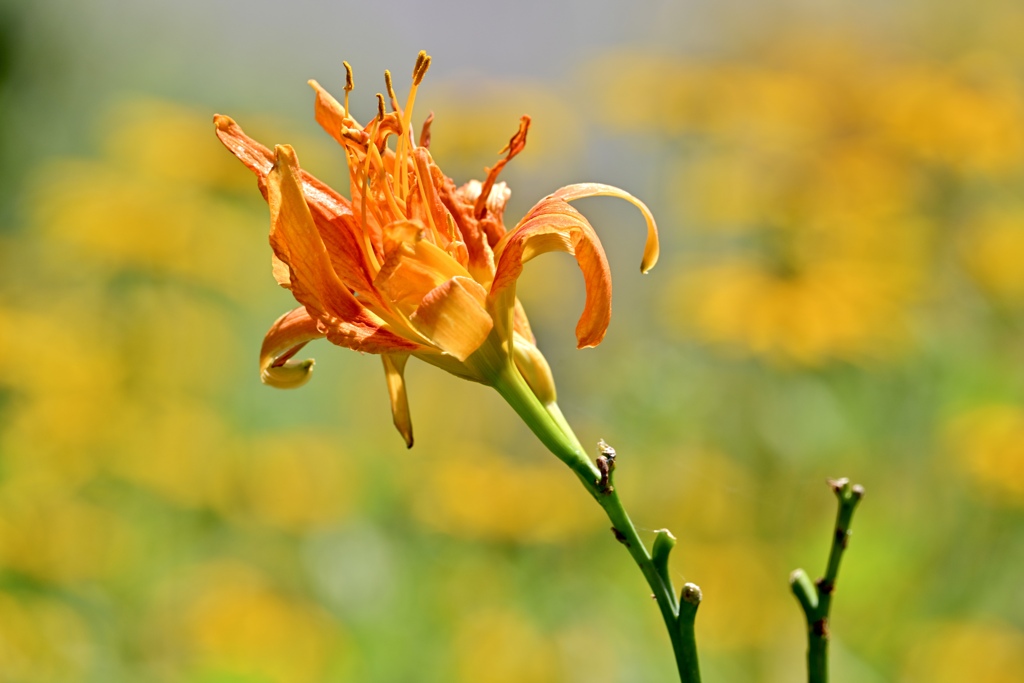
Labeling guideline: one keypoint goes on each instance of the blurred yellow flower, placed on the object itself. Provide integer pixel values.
(470, 492)
(462, 134)
(56, 378)
(988, 445)
(135, 209)
(818, 240)
(236, 623)
(968, 122)
(502, 646)
(701, 484)
(740, 189)
(976, 651)
(144, 134)
(58, 539)
(846, 309)
(993, 251)
(413, 265)
(188, 449)
(294, 482)
(742, 608)
(42, 640)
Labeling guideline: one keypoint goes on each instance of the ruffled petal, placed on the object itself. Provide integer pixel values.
(571, 193)
(394, 373)
(332, 213)
(413, 266)
(286, 337)
(553, 225)
(479, 255)
(454, 317)
(313, 281)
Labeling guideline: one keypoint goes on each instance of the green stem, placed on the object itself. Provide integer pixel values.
(685, 645)
(678, 622)
(816, 598)
(514, 389)
(554, 432)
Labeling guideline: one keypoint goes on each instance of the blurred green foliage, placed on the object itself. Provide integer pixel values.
(840, 293)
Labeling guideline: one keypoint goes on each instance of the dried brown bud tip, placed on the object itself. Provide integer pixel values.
(838, 485)
(606, 450)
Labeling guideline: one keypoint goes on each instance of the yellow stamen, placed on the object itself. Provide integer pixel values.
(364, 177)
(367, 245)
(378, 162)
(425, 194)
(405, 140)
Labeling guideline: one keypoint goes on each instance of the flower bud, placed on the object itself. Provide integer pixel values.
(534, 368)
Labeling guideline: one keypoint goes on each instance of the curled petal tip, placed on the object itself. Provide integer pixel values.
(286, 337)
(652, 248)
(580, 190)
(222, 122)
(290, 375)
(651, 253)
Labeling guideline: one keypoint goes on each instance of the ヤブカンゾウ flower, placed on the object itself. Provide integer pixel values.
(413, 265)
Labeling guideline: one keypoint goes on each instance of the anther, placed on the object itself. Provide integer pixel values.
(391, 90)
(380, 106)
(420, 70)
(349, 82)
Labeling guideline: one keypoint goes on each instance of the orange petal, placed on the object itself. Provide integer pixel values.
(314, 283)
(413, 267)
(571, 193)
(480, 257)
(515, 146)
(255, 156)
(331, 212)
(438, 216)
(281, 272)
(454, 317)
(394, 373)
(286, 337)
(328, 112)
(553, 225)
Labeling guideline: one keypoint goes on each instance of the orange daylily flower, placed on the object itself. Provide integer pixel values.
(413, 265)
